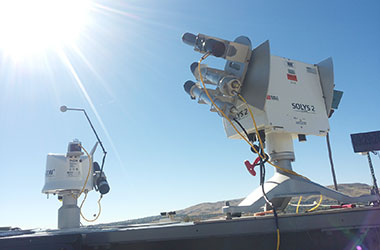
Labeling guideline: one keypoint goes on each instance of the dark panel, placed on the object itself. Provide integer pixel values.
(340, 239)
(337, 96)
(365, 142)
(48, 242)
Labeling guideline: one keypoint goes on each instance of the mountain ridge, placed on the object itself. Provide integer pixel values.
(207, 210)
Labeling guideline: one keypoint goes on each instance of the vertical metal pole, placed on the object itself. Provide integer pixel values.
(69, 213)
(331, 161)
(373, 174)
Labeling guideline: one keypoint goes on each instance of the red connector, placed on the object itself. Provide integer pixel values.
(250, 167)
(343, 206)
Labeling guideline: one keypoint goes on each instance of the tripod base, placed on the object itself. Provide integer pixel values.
(282, 187)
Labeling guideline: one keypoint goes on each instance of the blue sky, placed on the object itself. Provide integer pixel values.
(166, 152)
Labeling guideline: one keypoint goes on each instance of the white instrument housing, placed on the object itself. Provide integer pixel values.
(67, 173)
(294, 102)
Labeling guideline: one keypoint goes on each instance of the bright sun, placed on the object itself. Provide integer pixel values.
(29, 27)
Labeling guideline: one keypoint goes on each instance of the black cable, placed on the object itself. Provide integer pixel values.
(275, 218)
(265, 156)
(262, 173)
(268, 202)
(257, 148)
(241, 126)
(262, 181)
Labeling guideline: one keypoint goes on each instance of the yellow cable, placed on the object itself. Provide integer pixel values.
(278, 239)
(84, 187)
(319, 203)
(245, 139)
(212, 101)
(99, 206)
(237, 131)
(89, 171)
(234, 127)
(262, 145)
(298, 204)
(89, 168)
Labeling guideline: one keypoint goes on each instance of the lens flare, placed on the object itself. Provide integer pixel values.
(30, 27)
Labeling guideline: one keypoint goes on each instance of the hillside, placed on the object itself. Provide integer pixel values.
(214, 209)
(354, 189)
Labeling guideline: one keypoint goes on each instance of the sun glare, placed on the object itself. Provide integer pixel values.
(29, 27)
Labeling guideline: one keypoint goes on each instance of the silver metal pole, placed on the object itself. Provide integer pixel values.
(69, 213)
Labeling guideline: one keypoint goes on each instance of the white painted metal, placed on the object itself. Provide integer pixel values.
(288, 98)
(292, 106)
(66, 173)
(279, 143)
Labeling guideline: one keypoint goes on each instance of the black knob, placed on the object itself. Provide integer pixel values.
(188, 85)
(215, 47)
